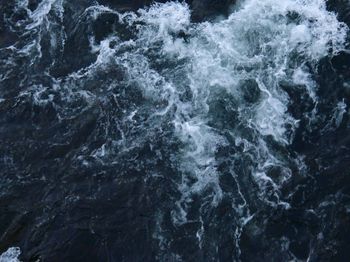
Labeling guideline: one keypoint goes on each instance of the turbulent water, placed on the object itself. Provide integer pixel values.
(207, 131)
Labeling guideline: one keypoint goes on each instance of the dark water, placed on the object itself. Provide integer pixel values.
(208, 131)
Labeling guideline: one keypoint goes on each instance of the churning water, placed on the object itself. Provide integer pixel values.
(142, 135)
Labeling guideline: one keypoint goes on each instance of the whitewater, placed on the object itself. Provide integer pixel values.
(195, 116)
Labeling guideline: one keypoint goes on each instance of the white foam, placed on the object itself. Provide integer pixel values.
(11, 255)
(300, 34)
(40, 13)
(339, 112)
(259, 40)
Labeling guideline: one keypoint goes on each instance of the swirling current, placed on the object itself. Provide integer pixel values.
(174, 130)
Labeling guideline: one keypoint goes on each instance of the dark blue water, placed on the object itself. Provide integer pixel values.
(198, 131)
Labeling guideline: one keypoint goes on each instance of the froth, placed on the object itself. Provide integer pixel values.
(262, 42)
